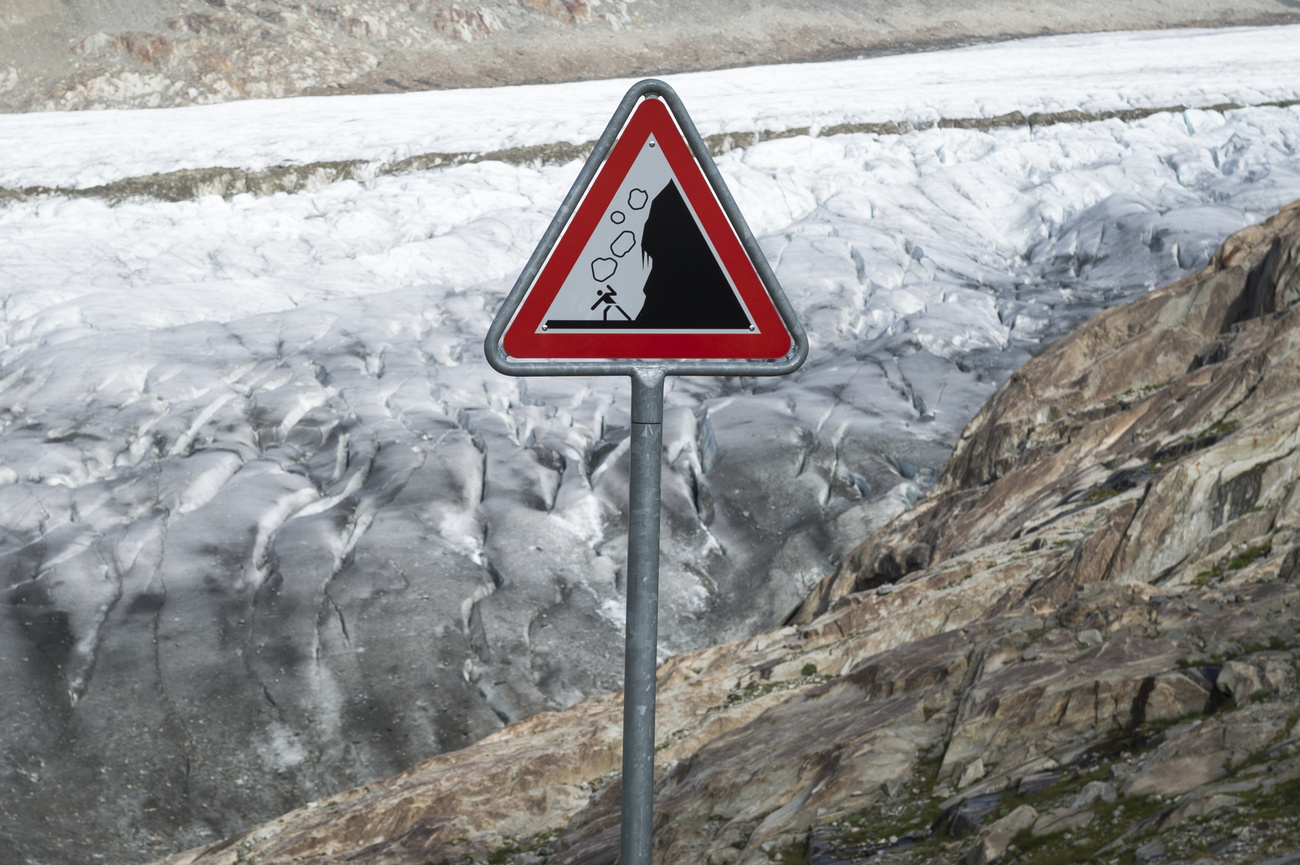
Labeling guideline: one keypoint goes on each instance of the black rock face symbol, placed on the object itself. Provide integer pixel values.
(686, 287)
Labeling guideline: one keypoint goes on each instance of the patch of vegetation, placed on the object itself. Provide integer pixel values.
(1147, 389)
(1268, 816)
(1155, 730)
(1219, 430)
(795, 854)
(1241, 560)
(910, 823)
(1272, 804)
(754, 690)
(952, 583)
(1188, 444)
(1266, 821)
(1033, 635)
(1070, 781)
(541, 844)
(1111, 820)
(927, 768)
(1136, 809)
(910, 820)
(746, 831)
(1048, 850)
(1277, 644)
(669, 739)
(1101, 494)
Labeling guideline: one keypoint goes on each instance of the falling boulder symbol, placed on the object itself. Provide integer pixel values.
(637, 198)
(686, 287)
(623, 244)
(603, 268)
(617, 217)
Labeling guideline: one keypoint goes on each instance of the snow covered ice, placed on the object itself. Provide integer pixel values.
(272, 526)
(1089, 72)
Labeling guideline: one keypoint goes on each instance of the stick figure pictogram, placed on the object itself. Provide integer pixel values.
(607, 297)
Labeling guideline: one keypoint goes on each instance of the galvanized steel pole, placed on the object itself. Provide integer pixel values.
(642, 616)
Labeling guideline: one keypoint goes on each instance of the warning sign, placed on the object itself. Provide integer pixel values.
(648, 270)
(649, 265)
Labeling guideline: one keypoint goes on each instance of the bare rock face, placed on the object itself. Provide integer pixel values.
(137, 54)
(1087, 646)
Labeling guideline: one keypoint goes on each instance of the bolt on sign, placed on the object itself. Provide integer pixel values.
(647, 270)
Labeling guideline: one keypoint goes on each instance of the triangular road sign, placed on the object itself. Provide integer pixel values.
(648, 270)
(647, 260)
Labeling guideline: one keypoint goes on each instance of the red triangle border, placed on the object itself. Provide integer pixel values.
(770, 340)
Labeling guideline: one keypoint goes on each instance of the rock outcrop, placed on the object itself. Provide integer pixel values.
(1082, 643)
(135, 54)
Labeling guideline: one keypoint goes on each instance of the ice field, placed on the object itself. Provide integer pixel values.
(271, 526)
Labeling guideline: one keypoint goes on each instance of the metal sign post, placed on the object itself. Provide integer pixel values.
(640, 655)
(703, 301)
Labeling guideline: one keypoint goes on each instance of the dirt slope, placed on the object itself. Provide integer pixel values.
(74, 54)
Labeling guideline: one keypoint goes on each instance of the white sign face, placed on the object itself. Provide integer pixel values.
(647, 260)
(607, 286)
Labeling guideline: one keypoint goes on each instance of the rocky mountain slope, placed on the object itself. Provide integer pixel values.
(73, 54)
(1081, 644)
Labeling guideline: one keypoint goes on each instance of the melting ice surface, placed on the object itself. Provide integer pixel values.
(270, 524)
